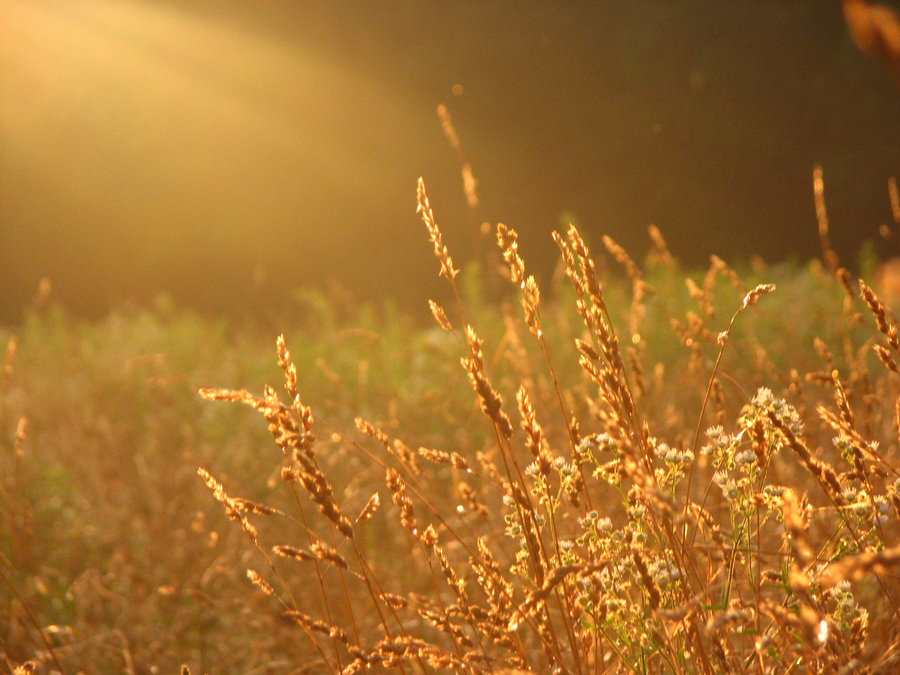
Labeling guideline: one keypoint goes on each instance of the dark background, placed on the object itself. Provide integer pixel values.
(227, 152)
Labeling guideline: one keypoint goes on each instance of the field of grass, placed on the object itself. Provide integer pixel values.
(636, 468)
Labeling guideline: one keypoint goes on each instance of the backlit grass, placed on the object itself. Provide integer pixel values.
(629, 468)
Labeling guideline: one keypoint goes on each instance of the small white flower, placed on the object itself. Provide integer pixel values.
(774, 490)
(745, 457)
(764, 398)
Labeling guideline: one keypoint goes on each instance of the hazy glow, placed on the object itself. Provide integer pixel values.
(151, 129)
(128, 77)
(228, 151)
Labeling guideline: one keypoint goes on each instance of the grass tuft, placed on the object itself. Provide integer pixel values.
(675, 471)
(651, 510)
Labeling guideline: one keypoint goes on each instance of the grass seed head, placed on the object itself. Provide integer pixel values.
(423, 208)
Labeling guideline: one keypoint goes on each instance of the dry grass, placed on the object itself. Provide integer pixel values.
(681, 473)
(610, 535)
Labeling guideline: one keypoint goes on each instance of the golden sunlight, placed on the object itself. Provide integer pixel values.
(165, 136)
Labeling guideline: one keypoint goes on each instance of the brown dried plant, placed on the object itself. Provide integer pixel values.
(598, 535)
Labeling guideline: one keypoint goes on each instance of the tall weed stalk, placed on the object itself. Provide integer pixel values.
(623, 515)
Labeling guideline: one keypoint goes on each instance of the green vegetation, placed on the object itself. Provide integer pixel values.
(661, 471)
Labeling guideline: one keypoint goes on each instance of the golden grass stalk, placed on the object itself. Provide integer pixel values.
(824, 474)
(440, 316)
(721, 267)
(292, 552)
(661, 248)
(894, 197)
(750, 299)
(651, 580)
(259, 582)
(796, 523)
(828, 253)
(470, 184)
(448, 269)
(491, 401)
(10, 359)
(370, 508)
(853, 568)
(883, 319)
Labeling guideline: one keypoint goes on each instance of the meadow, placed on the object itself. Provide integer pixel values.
(635, 467)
